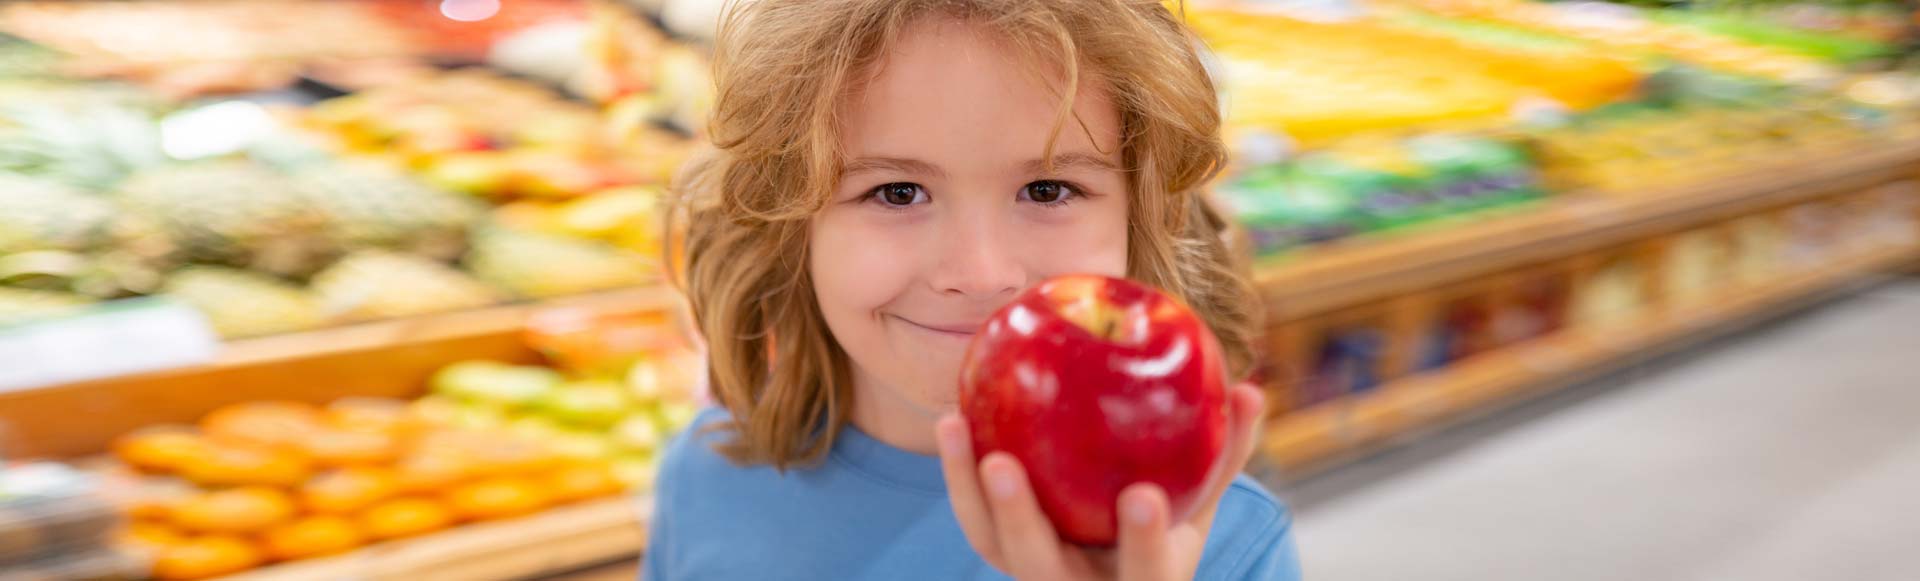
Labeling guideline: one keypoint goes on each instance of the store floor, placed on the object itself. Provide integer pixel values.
(1790, 451)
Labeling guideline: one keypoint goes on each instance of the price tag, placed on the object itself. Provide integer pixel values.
(117, 338)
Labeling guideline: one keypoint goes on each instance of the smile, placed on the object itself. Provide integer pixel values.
(955, 331)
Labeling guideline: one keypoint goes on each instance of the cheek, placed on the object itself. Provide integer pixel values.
(856, 267)
(1093, 242)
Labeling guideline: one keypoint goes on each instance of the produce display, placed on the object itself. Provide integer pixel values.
(1366, 185)
(1401, 113)
(1316, 81)
(642, 76)
(23, 305)
(275, 481)
(289, 231)
(480, 133)
(1645, 34)
(21, 59)
(472, 27)
(620, 385)
(198, 47)
(1094, 384)
(204, 30)
(1620, 151)
(1840, 46)
(421, 190)
(559, 174)
(262, 482)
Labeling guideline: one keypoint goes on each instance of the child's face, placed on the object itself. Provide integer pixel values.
(946, 210)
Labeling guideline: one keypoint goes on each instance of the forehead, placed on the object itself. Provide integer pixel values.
(949, 86)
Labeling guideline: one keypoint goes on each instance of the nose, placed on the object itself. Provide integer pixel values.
(980, 257)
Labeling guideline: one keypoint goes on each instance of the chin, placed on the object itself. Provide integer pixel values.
(933, 387)
(942, 394)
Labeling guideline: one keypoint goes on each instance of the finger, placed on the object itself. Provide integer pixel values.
(1245, 406)
(963, 487)
(1027, 540)
(1144, 550)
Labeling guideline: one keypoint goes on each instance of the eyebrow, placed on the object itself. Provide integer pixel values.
(1069, 162)
(1058, 163)
(896, 164)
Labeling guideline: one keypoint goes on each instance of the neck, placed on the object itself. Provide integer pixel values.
(894, 420)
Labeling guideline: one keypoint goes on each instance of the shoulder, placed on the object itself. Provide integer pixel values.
(689, 470)
(1247, 503)
(1252, 536)
(691, 458)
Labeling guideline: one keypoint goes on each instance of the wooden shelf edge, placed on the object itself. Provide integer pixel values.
(1313, 439)
(378, 334)
(383, 359)
(557, 540)
(1330, 278)
(375, 335)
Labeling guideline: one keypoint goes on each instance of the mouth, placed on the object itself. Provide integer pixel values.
(957, 331)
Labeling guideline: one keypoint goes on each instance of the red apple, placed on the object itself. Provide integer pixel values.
(1095, 384)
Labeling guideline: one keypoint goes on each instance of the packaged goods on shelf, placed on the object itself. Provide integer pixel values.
(1697, 263)
(1531, 304)
(1461, 327)
(1342, 355)
(1451, 347)
(54, 521)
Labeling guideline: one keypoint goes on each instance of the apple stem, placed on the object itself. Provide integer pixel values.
(1110, 325)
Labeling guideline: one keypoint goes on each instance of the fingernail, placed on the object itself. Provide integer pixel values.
(1137, 510)
(1000, 483)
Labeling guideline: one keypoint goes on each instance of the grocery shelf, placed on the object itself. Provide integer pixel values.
(315, 366)
(1321, 280)
(1302, 442)
(444, 327)
(553, 541)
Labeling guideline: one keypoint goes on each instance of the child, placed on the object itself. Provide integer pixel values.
(887, 174)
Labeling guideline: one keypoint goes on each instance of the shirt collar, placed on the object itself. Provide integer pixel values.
(877, 459)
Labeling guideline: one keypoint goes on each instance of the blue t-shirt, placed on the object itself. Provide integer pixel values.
(873, 511)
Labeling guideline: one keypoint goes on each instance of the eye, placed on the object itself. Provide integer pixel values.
(900, 194)
(1049, 192)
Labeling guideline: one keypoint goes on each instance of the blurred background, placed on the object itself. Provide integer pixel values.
(310, 289)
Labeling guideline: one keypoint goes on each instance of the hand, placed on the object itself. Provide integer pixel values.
(1004, 523)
